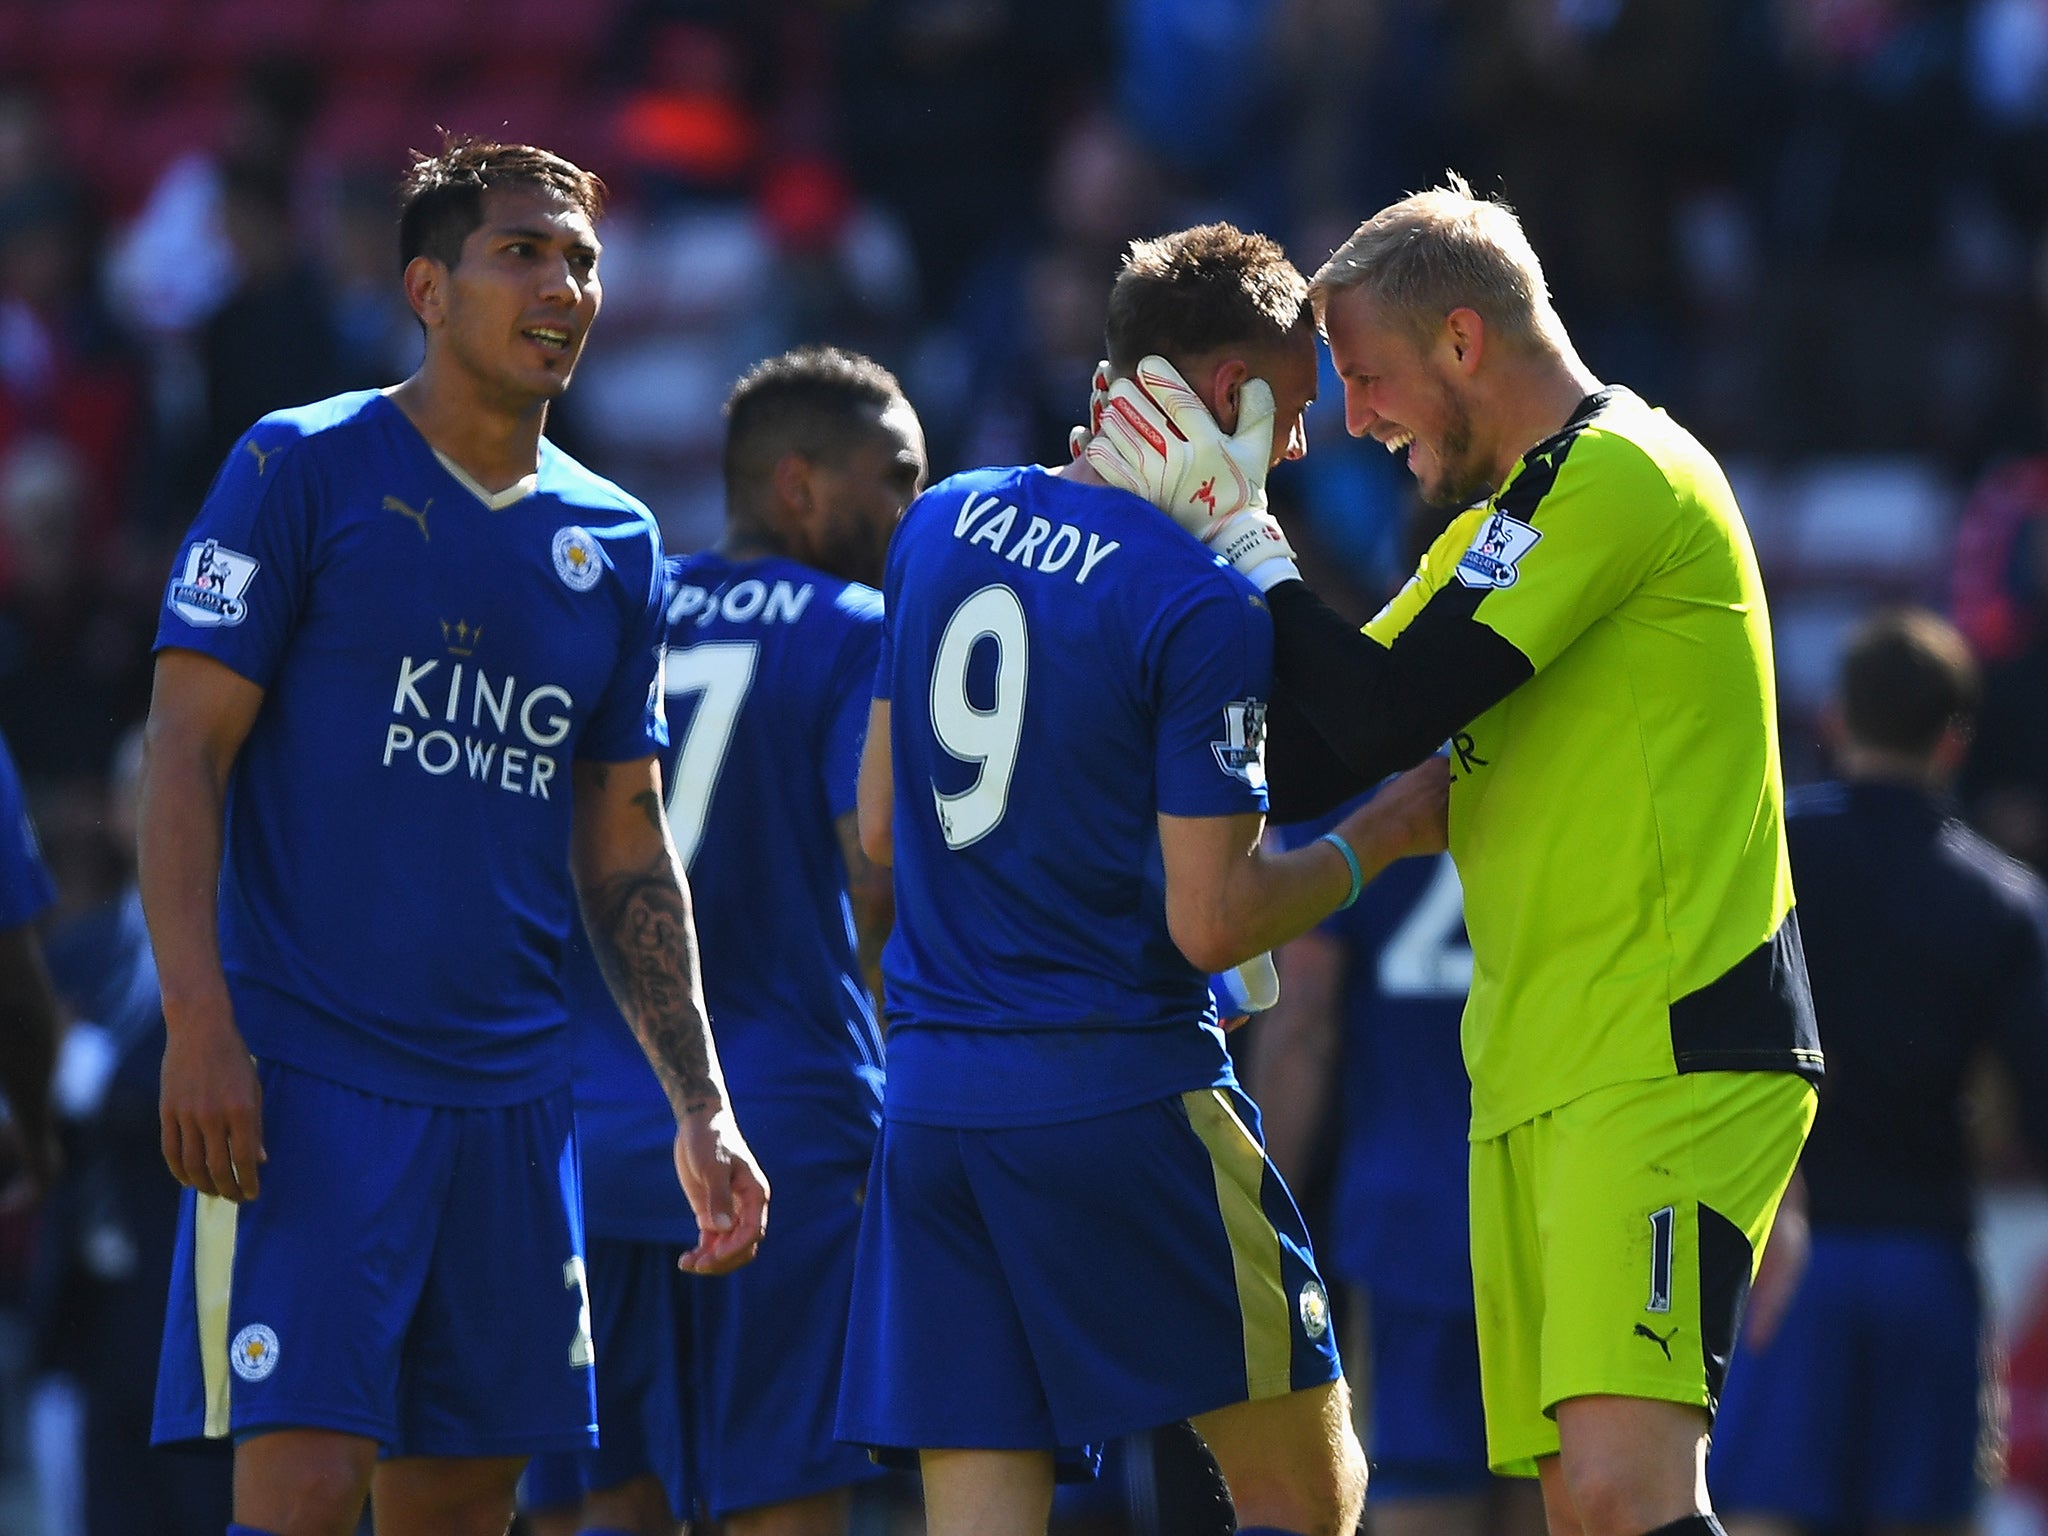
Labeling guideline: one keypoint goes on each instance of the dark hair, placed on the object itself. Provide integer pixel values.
(1211, 286)
(442, 196)
(1907, 676)
(816, 401)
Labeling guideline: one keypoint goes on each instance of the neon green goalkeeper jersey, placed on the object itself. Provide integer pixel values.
(1617, 818)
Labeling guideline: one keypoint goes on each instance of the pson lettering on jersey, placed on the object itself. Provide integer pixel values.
(1041, 546)
(744, 602)
(486, 714)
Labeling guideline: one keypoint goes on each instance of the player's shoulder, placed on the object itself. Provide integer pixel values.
(329, 431)
(1816, 803)
(1614, 451)
(571, 483)
(1632, 457)
(2008, 882)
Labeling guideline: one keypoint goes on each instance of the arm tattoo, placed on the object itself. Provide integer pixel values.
(646, 945)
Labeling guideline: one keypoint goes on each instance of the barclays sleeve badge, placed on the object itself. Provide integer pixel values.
(1242, 751)
(208, 593)
(1496, 552)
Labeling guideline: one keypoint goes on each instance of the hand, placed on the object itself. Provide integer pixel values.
(1155, 438)
(211, 1108)
(1098, 397)
(728, 1193)
(1410, 816)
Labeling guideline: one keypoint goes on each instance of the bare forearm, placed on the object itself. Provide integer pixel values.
(646, 944)
(1277, 897)
(179, 839)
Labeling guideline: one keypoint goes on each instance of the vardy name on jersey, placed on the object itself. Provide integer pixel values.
(396, 894)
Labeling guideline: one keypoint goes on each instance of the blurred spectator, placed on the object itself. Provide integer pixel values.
(64, 369)
(28, 1010)
(74, 641)
(106, 1255)
(2000, 594)
(1854, 1398)
(947, 107)
(271, 344)
(376, 336)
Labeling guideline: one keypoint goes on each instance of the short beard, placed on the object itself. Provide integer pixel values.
(1460, 483)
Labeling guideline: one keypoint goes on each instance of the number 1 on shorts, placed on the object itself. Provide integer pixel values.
(1662, 1225)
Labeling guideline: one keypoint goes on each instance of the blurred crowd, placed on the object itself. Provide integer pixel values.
(1816, 230)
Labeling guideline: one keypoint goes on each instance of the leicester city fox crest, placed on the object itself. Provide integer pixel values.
(1242, 751)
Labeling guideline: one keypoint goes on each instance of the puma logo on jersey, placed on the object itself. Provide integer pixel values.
(262, 458)
(1663, 1343)
(393, 504)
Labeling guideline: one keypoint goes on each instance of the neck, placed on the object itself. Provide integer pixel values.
(496, 440)
(1534, 397)
(1873, 765)
(746, 537)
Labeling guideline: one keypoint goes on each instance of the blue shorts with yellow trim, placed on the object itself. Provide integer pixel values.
(410, 1273)
(1046, 1286)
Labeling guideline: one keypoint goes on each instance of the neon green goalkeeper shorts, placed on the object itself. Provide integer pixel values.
(1614, 1240)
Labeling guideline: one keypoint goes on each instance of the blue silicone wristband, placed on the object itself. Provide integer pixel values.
(1351, 863)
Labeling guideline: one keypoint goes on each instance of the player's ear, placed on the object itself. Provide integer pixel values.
(426, 285)
(1220, 391)
(1464, 338)
(790, 480)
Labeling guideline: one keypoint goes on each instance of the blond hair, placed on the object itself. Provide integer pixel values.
(1440, 250)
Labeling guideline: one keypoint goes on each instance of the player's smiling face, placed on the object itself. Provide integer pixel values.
(1406, 396)
(521, 300)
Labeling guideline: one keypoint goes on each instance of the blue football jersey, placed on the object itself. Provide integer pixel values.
(1064, 664)
(1399, 1197)
(770, 669)
(395, 895)
(26, 890)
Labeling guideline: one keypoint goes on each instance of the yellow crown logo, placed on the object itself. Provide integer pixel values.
(461, 636)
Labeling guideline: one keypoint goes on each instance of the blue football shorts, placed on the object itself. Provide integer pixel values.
(1865, 1406)
(742, 1368)
(639, 1322)
(1056, 1286)
(411, 1273)
(1428, 1436)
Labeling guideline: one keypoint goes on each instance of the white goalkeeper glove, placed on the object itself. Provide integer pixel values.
(1154, 438)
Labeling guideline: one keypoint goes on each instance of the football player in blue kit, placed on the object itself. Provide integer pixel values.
(1366, 1030)
(1071, 1230)
(406, 715)
(772, 641)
